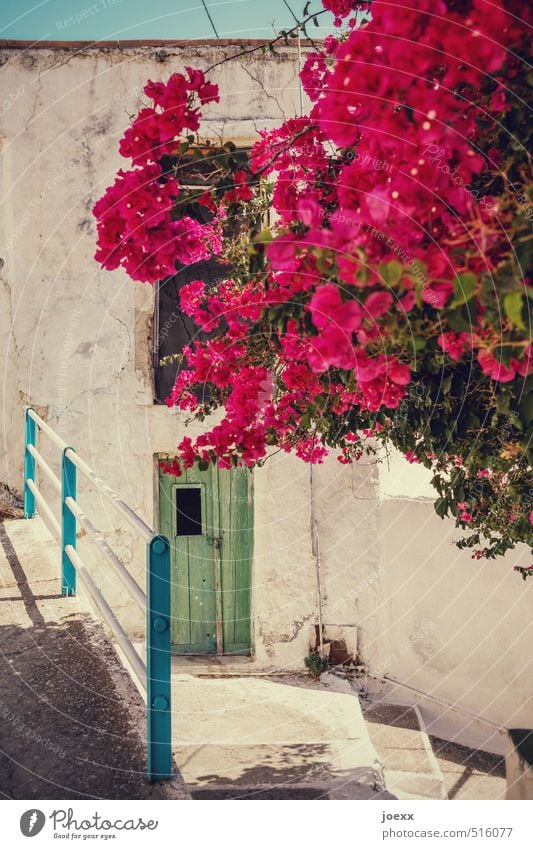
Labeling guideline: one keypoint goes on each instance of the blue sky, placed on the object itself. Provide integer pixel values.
(77, 20)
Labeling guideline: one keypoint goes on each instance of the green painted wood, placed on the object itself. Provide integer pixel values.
(211, 573)
(216, 542)
(227, 561)
(201, 570)
(191, 568)
(236, 524)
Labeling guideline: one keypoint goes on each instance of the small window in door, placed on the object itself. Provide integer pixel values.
(188, 511)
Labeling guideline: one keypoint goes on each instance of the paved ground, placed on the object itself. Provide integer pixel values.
(268, 737)
(418, 765)
(71, 720)
(411, 770)
(468, 773)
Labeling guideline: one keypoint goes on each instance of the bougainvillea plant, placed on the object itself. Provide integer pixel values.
(388, 302)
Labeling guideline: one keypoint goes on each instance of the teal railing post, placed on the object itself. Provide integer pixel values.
(29, 465)
(158, 692)
(68, 524)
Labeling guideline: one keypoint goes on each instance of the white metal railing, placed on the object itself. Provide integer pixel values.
(154, 675)
(458, 708)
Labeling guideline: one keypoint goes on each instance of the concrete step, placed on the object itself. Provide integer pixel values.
(410, 768)
(469, 773)
(462, 750)
(293, 737)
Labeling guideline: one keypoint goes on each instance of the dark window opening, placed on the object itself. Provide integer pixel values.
(173, 328)
(188, 511)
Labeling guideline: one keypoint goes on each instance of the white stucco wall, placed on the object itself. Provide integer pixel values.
(455, 628)
(80, 341)
(74, 341)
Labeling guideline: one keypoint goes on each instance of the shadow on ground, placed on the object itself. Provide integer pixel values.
(71, 720)
(466, 770)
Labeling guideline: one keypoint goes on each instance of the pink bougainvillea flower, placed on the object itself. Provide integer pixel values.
(282, 253)
(455, 344)
(191, 296)
(495, 370)
(378, 303)
(378, 201)
(310, 212)
(327, 308)
(399, 373)
(437, 294)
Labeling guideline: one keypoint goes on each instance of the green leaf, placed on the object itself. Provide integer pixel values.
(525, 410)
(446, 384)
(465, 287)
(264, 236)
(460, 320)
(512, 307)
(391, 272)
(305, 421)
(441, 507)
(437, 483)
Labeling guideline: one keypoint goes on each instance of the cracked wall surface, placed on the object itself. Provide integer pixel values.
(82, 336)
(75, 342)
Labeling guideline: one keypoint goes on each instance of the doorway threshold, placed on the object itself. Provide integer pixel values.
(210, 664)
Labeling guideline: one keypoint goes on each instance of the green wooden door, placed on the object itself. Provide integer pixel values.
(208, 518)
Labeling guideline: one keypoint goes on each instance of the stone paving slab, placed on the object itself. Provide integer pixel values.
(468, 773)
(242, 735)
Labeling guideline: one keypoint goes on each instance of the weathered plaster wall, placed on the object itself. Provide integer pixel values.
(73, 341)
(455, 628)
(82, 335)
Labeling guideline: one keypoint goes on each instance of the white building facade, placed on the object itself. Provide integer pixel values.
(359, 548)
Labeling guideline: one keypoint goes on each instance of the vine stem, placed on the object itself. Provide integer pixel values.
(285, 34)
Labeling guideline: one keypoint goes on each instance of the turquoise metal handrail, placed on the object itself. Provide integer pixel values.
(155, 675)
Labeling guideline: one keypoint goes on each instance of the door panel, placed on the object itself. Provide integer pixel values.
(191, 562)
(236, 525)
(208, 518)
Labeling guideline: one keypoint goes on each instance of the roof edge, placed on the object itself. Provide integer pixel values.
(25, 44)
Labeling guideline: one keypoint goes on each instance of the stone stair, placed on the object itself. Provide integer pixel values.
(272, 737)
(416, 763)
(410, 768)
(469, 773)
